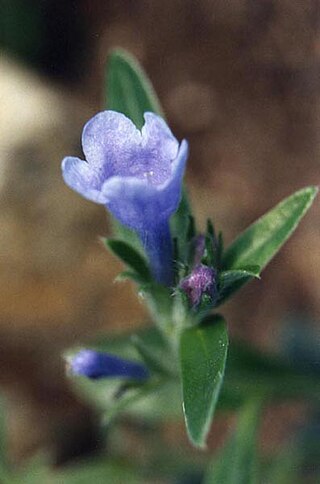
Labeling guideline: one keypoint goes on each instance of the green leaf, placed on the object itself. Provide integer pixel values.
(35, 471)
(158, 359)
(98, 471)
(130, 257)
(285, 467)
(119, 343)
(133, 276)
(129, 90)
(231, 281)
(262, 240)
(5, 472)
(236, 464)
(203, 352)
(129, 236)
(161, 403)
(160, 303)
(251, 372)
(3, 437)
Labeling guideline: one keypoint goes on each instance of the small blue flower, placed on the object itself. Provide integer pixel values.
(137, 175)
(94, 364)
(201, 281)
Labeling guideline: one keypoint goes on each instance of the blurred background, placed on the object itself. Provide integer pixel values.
(240, 79)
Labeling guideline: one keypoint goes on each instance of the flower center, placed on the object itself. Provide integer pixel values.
(149, 165)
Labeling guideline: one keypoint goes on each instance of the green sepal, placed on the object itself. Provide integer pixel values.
(209, 257)
(191, 228)
(180, 227)
(230, 281)
(213, 251)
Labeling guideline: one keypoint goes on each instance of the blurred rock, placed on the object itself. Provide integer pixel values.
(192, 106)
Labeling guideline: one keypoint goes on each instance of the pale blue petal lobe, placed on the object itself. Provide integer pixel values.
(108, 141)
(78, 176)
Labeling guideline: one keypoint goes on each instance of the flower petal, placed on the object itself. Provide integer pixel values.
(156, 135)
(133, 202)
(172, 189)
(79, 176)
(108, 140)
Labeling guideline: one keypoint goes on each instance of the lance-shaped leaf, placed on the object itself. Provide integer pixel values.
(131, 258)
(231, 281)
(262, 240)
(158, 360)
(251, 371)
(129, 91)
(236, 463)
(203, 352)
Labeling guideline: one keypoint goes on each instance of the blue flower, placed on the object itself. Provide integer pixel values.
(137, 175)
(93, 364)
(201, 281)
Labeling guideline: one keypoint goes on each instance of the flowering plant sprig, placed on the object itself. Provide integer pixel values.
(136, 172)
